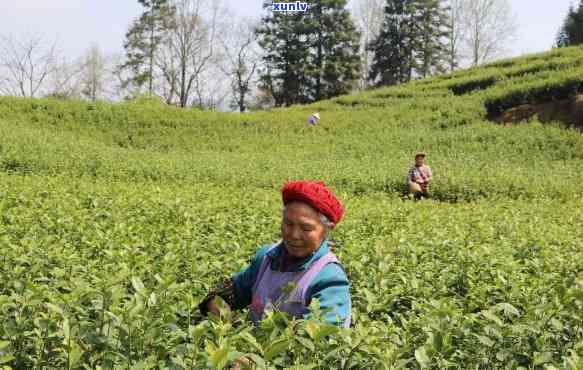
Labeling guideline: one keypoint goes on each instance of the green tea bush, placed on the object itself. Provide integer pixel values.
(115, 219)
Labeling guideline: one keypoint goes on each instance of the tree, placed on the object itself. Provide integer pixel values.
(394, 46)
(335, 49)
(168, 65)
(309, 56)
(262, 100)
(26, 65)
(211, 90)
(454, 29)
(94, 74)
(369, 16)
(241, 62)
(64, 82)
(120, 78)
(143, 40)
(189, 48)
(283, 38)
(571, 32)
(412, 41)
(488, 28)
(430, 50)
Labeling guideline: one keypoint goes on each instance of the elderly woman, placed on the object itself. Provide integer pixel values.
(302, 258)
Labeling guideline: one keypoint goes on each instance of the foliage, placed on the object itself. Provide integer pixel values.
(430, 53)
(143, 40)
(571, 32)
(410, 42)
(335, 45)
(309, 56)
(393, 47)
(283, 37)
(115, 219)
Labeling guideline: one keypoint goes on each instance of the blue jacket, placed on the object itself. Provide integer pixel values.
(330, 286)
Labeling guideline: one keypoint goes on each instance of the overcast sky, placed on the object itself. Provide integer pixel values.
(75, 24)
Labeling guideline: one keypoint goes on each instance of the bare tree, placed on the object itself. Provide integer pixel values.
(241, 61)
(369, 19)
(65, 81)
(263, 100)
(488, 28)
(26, 65)
(120, 84)
(211, 89)
(189, 47)
(95, 71)
(455, 33)
(169, 70)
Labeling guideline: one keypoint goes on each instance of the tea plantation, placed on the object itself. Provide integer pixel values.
(115, 219)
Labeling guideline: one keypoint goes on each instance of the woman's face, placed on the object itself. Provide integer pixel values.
(301, 229)
(419, 161)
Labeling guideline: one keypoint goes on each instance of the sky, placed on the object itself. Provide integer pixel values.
(76, 24)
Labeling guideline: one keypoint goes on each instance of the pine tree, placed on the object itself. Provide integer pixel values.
(335, 49)
(394, 47)
(412, 41)
(562, 39)
(143, 40)
(283, 37)
(309, 56)
(430, 49)
(571, 33)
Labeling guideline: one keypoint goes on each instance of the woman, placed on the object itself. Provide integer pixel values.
(302, 258)
(313, 119)
(419, 177)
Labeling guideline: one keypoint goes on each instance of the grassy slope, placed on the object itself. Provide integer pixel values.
(112, 192)
(364, 142)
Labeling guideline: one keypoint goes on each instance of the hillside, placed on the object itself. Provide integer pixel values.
(116, 218)
(364, 142)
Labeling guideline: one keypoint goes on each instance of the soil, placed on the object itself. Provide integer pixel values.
(567, 111)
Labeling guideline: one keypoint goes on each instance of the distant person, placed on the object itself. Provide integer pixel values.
(313, 119)
(419, 177)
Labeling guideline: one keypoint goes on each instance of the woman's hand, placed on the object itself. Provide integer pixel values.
(214, 306)
(242, 363)
(217, 298)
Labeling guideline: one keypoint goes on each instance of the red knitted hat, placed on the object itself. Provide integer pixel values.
(317, 195)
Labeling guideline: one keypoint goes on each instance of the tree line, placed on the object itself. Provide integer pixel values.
(195, 53)
(571, 31)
